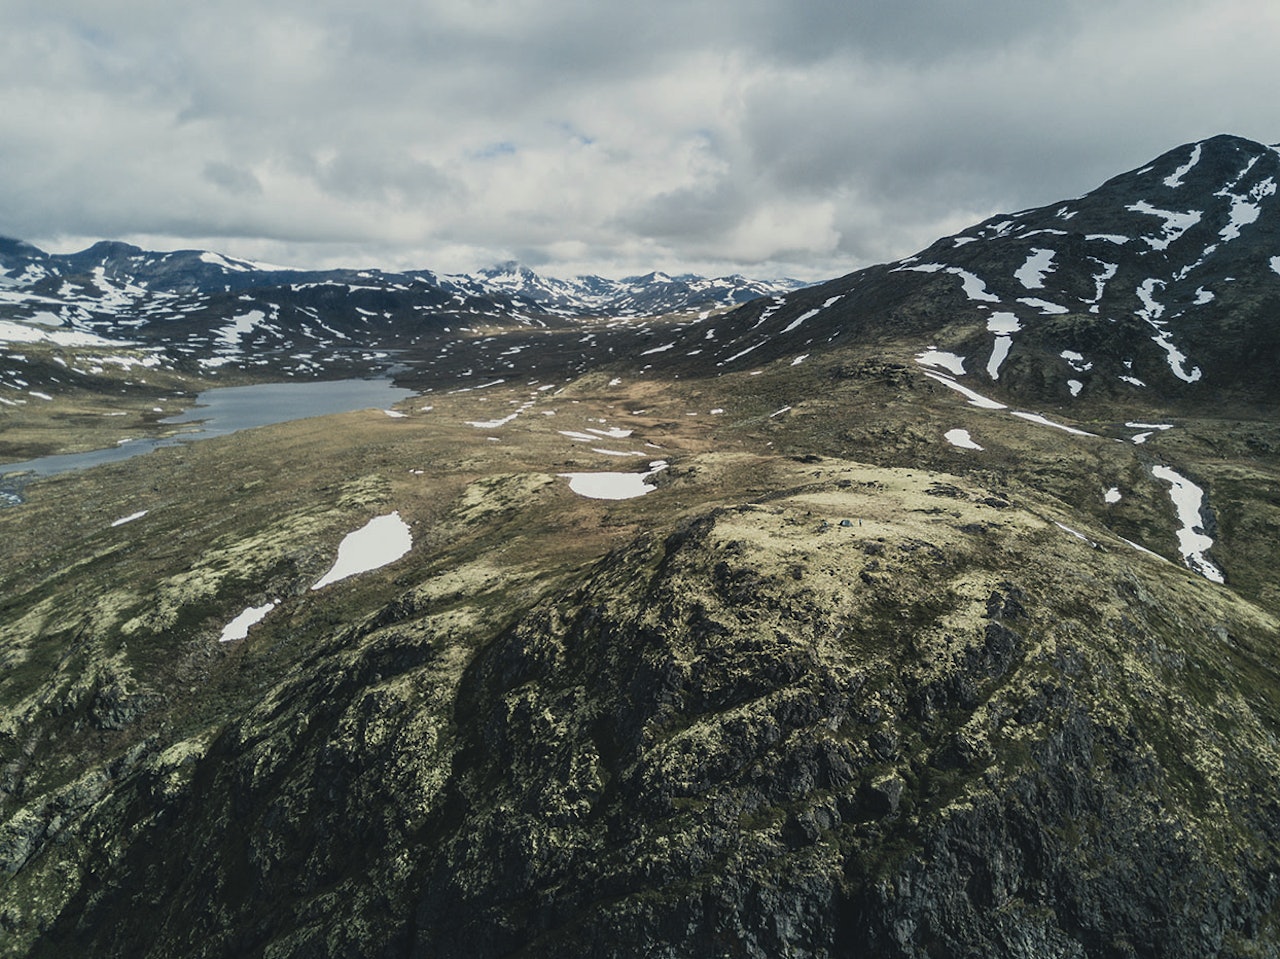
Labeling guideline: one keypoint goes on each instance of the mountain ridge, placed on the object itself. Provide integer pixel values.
(1123, 292)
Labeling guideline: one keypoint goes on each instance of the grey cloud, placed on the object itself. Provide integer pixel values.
(374, 172)
(235, 180)
(695, 214)
(366, 127)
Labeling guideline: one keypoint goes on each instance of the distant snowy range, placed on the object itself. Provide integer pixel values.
(203, 310)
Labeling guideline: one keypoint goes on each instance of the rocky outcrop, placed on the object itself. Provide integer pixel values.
(725, 741)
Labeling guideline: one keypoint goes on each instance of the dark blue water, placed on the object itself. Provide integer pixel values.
(219, 412)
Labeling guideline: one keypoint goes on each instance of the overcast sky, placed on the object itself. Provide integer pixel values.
(770, 137)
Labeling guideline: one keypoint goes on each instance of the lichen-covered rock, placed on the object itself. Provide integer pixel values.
(720, 740)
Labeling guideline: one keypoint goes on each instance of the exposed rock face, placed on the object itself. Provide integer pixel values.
(725, 741)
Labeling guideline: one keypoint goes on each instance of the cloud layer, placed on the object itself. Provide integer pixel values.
(806, 138)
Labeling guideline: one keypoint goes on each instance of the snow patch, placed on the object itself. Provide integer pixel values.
(1002, 324)
(1151, 312)
(1076, 361)
(1245, 207)
(975, 399)
(1100, 280)
(492, 424)
(800, 319)
(1111, 496)
(11, 332)
(999, 353)
(1044, 306)
(744, 353)
(382, 540)
(217, 259)
(1148, 429)
(1175, 178)
(1076, 533)
(936, 357)
(130, 518)
(613, 432)
(1175, 224)
(238, 628)
(961, 439)
(1193, 542)
(614, 485)
(230, 336)
(1032, 273)
(1037, 418)
(974, 287)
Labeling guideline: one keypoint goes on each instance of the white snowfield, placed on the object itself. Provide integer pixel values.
(614, 485)
(1003, 325)
(1151, 312)
(961, 439)
(1044, 306)
(1193, 542)
(11, 332)
(1175, 224)
(1175, 179)
(382, 540)
(238, 628)
(1032, 273)
(935, 357)
(975, 399)
(974, 287)
(1245, 207)
(1044, 421)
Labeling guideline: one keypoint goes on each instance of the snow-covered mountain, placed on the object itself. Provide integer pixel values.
(1164, 281)
(201, 311)
(653, 294)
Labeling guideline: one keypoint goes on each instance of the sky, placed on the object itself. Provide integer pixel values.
(803, 138)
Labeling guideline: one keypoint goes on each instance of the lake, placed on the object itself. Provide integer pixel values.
(218, 412)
